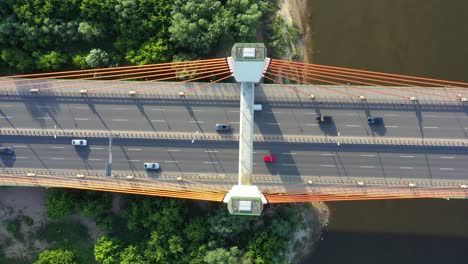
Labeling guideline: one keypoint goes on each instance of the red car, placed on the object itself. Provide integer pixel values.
(269, 159)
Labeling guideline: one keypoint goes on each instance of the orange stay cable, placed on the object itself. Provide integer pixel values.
(179, 82)
(159, 79)
(113, 81)
(112, 70)
(210, 83)
(361, 88)
(103, 69)
(170, 69)
(287, 86)
(373, 72)
(303, 82)
(315, 72)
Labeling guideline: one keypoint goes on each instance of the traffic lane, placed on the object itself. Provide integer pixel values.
(269, 121)
(124, 158)
(224, 160)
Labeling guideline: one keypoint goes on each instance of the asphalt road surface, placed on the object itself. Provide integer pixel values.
(222, 157)
(398, 121)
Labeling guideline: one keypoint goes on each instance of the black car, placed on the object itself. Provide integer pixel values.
(223, 127)
(374, 120)
(6, 150)
(323, 118)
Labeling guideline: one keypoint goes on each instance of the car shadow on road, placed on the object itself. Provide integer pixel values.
(8, 160)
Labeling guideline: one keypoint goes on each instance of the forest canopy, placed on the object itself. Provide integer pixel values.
(51, 35)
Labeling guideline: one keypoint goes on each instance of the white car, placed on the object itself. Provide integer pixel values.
(79, 142)
(152, 166)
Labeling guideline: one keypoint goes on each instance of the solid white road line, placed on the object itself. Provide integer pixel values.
(81, 119)
(406, 156)
(96, 148)
(57, 147)
(289, 153)
(6, 117)
(367, 155)
(120, 120)
(57, 158)
(136, 149)
(447, 169)
(95, 159)
(447, 157)
(431, 127)
(367, 167)
(158, 109)
(327, 154)
(391, 126)
(134, 160)
(43, 118)
(211, 151)
(173, 150)
(210, 162)
(20, 146)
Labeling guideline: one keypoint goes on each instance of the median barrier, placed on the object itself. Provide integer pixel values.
(216, 137)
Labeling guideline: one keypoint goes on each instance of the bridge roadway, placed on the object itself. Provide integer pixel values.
(399, 120)
(372, 161)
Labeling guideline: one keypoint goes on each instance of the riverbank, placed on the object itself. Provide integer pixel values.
(297, 12)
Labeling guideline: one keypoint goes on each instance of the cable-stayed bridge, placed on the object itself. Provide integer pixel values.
(167, 113)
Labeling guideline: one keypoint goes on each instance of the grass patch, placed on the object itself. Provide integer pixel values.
(69, 235)
(14, 228)
(27, 220)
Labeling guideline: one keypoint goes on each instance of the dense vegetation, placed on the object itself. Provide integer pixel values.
(51, 35)
(161, 230)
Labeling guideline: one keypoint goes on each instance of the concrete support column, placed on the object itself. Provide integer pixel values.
(246, 132)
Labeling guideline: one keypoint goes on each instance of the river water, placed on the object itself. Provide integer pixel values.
(426, 38)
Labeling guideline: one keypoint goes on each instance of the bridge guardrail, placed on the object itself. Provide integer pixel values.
(234, 137)
(267, 183)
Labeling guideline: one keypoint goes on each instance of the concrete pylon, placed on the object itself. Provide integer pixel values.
(246, 127)
(248, 63)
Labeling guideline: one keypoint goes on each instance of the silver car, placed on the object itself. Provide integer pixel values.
(151, 166)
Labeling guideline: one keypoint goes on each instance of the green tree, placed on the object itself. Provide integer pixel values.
(79, 61)
(97, 58)
(130, 255)
(17, 59)
(247, 15)
(90, 31)
(196, 230)
(175, 245)
(199, 25)
(107, 250)
(61, 203)
(96, 203)
(57, 256)
(155, 251)
(152, 51)
(51, 61)
(223, 256)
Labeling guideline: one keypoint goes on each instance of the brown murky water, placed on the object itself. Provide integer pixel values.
(414, 37)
